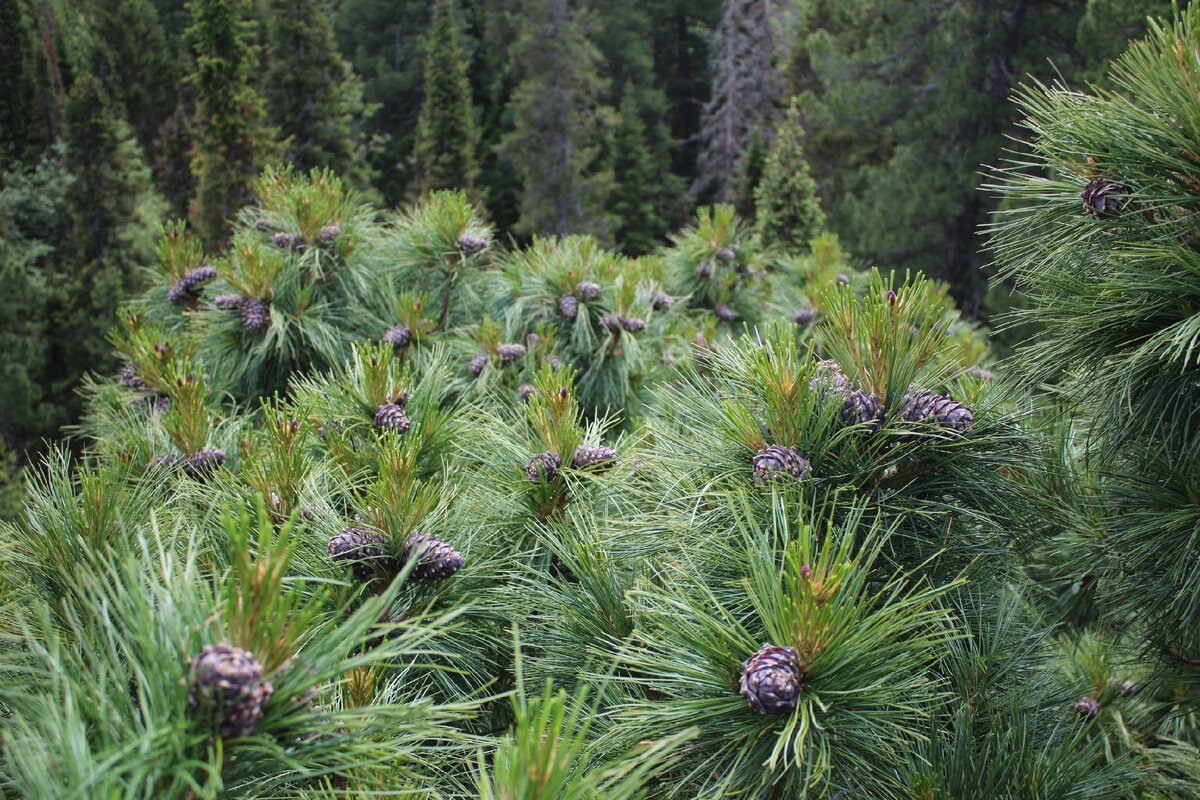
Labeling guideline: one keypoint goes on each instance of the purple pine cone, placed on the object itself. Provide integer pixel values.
(771, 679)
(588, 291)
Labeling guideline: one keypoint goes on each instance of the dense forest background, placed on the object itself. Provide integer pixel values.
(614, 119)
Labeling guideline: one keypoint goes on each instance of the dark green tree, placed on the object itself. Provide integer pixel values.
(127, 49)
(788, 210)
(644, 190)
(446, 137)
(112, 210)
(312, 97)
(16, 55)
(561, 123)
(231, 139)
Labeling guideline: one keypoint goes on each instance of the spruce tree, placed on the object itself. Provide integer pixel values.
(446, 139)
(230, 138)
(644, 190)
(560, 123)
(312, 97)
(111, 208)
(16, 40)
(788, 210)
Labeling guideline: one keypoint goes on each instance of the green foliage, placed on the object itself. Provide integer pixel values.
(231, 140)
(787, 210)
(560, 124)
(446, 139)
(1113, 287)
(312, 98)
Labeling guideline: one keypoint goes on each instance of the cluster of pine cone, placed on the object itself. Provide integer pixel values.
(368, 555)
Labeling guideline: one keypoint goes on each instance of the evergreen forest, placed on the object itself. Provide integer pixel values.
(567, 400)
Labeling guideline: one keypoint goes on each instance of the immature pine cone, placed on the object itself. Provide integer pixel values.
(228, 302)
(1103, 198)
(285, 241)
(510, 352)
(804, 317)
(830, 379)
(843, 279)
(704, 270)
(203, 463)
(663, 301)
(130, 378)
(862, 407)
(725, 254)
(724, 313)
(588, 291)
(165, 461)
(255, 314)
(1087, 707)
(189, 282)
(771, 679)
(935, 409)
(391, 417)
(980, 374)
(568, 306)
(542, 468)
(226, 686)
(398, 337)
(329, 233)
(435, 558)
(525, 392)
(477, 364)
(470, 245)
(633, 324)
(600, 458)
(364, 551)
(776, 462)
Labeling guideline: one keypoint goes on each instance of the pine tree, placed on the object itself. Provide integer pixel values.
(312, 96)
(16, 46)
(788, 210)
(560, 124)
(230, 137)
(446, 139)
(740, 107)
(111, 208)
(642, 185)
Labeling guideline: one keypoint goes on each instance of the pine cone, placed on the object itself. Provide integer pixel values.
(228, 302)
(398, 337)
(435, 558)
(256, 314)
(130, 378)
(771, 679)
(226, 686)
(329, 233)
(1087, 707)
(945, 412)
(633, 324)
(724, 313)
(725, 254)
(704, 270)
(203, 463)
(391, 417)
(477, 364)
(285, 241)
(776, 462)
(980, 374)
(470, 245)
(843, 279)
(829, 379)
(525, 392)
(568, 306)
(612, 322)
(588, 291)
(187, 285)
(804, 317)
(543, 468)
(663, 301)
(600, 458)
(510, 352)
(364, 551)
(861, 407)
(1103, 198)
(165, 461)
